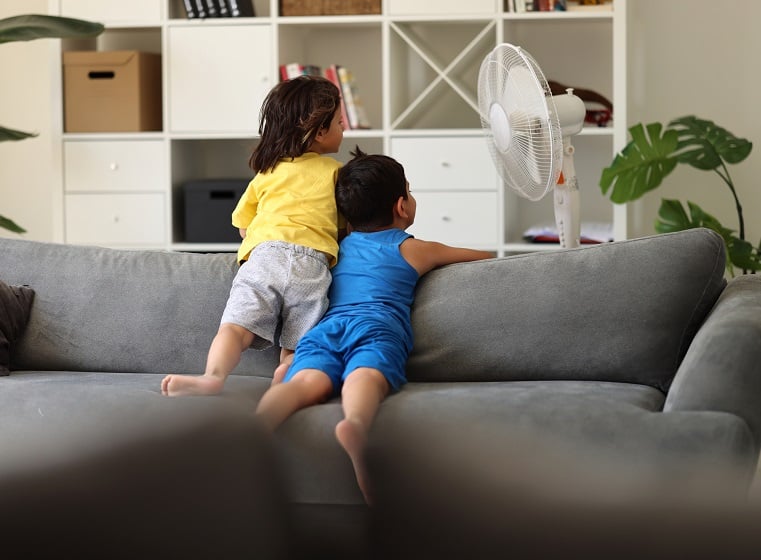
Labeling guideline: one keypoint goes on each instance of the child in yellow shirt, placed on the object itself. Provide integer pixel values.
(289, 224)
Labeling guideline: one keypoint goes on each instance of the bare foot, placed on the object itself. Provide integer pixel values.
(353, 439)
(185, 385)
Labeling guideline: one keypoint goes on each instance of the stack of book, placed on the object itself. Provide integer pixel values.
(558, 5)
(352, 107)
(202, 9)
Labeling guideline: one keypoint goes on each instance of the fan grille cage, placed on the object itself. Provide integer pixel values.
(521, 124)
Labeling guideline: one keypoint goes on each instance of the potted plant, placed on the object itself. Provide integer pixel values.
(654, 152)
(28, 28)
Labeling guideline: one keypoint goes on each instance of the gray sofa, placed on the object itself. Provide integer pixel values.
(637, 352)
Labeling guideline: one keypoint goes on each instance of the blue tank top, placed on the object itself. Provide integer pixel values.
(372, 279)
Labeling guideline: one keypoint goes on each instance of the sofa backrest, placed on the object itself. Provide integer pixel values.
(624, 311)
(98, 309)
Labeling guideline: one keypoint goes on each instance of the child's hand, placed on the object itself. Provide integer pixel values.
(242, 232)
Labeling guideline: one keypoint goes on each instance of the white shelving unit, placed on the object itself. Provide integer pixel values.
(416, 65)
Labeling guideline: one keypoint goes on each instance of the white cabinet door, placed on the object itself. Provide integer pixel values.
(114, 165)
(465, 219)
(128, 220)
(452, 163)
(218, 76)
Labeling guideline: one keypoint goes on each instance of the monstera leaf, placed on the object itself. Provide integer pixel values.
(642, 164)
(672, 216)
(33, 26)
(654, 151)
(705, 145)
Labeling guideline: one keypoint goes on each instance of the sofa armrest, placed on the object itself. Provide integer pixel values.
(722, 368)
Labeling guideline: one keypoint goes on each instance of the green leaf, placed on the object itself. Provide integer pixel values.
(704, 145)
(10, 134)
(743, 255)
(643, 163)
(672, 216)
(10, 225)
(32, 26)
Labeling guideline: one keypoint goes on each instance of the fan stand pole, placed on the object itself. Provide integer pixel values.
(567, 201)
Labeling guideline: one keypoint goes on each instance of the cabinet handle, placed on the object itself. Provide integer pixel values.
(446, 164)
(113, 166)
(446, 219)
(116, 219)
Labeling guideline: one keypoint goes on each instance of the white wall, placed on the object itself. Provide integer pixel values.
(699, 57)
(686, 57)
(26, 174)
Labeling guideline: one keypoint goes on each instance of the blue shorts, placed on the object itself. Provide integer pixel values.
(339, 345)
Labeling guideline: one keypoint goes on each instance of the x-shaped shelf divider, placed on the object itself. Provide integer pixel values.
(442, 73)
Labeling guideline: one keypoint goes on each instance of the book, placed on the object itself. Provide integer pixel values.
(241, 8)
(355, 109)
(293, 69)
(190, 8)
(587, 6)
(223, 8)
(201, 9)
(331, 73)
(211, 8)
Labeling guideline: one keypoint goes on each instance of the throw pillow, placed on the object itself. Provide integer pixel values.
(15, 307)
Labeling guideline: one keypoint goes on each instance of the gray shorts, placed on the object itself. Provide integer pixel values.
(281, 286)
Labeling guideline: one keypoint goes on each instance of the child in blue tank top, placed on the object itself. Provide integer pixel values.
(359, 348)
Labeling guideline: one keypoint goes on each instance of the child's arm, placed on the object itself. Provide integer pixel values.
(245, 210)
(424, 256)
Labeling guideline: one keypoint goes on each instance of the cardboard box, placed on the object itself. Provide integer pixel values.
(209, 204)
(111, 91)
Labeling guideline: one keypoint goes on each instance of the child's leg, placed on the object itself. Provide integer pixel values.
(306, 388)
(362, 393)
(224, 354)
(286, 357)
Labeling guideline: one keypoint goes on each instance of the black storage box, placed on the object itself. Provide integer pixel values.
(209, 204)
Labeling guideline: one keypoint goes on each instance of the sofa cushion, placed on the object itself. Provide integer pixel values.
(15, 306)
(624, 311)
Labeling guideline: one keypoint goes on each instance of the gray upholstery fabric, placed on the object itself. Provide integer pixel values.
(444, 490)
(122, 311)
(619, 312)
(578, 345)
(182, 479)
(722, 370)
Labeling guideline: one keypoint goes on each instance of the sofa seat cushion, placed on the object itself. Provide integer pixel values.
(619, 421)
(39, 400)
(621, 418)
(102, 466)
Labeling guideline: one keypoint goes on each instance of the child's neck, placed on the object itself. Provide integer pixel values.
(398, 223)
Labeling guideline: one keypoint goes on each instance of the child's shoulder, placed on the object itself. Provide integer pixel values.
(330, 161)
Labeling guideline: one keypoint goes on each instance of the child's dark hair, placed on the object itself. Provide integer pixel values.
(292, 114)
(367, 188)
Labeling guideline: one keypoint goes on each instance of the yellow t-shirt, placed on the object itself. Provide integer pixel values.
(295, 202)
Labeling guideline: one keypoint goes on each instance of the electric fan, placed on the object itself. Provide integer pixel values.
(528, 131)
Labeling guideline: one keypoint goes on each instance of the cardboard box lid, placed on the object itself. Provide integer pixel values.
(99, 58)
